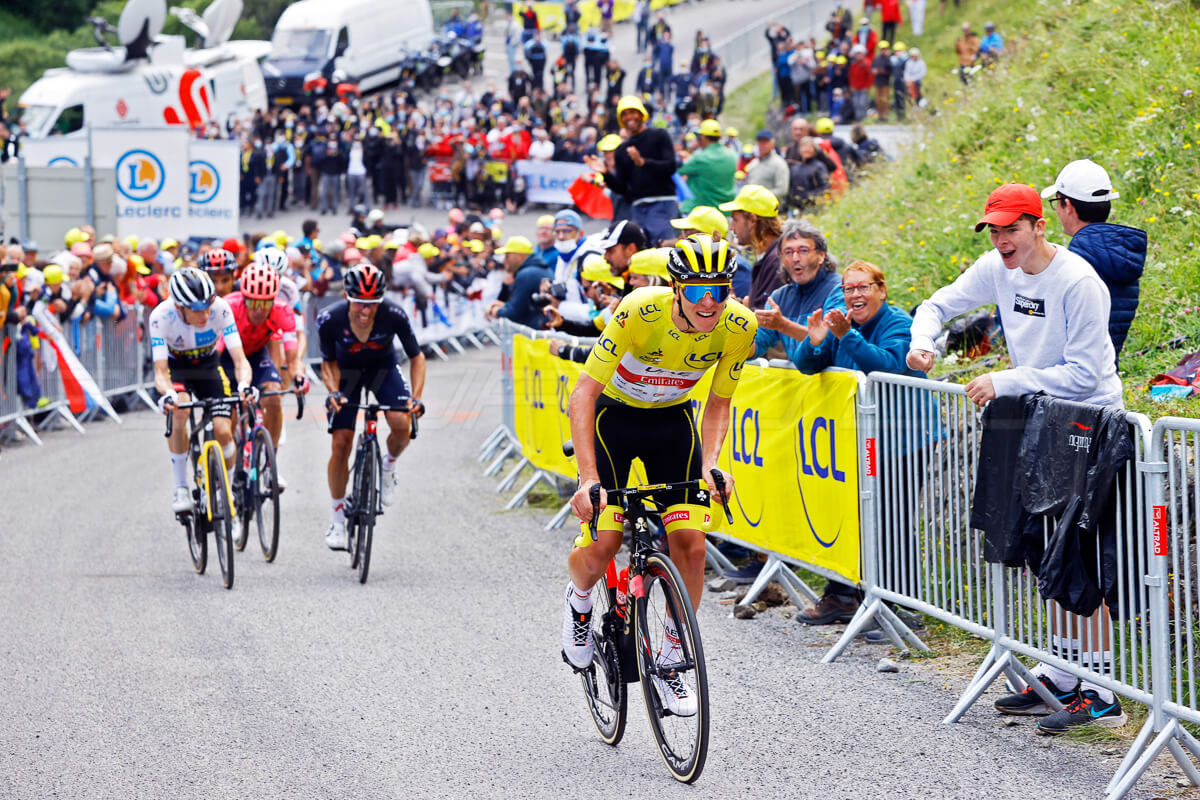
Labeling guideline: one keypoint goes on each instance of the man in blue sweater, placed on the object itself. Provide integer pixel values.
(528, 272)
(1081, 196)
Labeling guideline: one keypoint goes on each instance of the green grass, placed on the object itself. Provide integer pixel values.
(1113, 81)
(746, 107)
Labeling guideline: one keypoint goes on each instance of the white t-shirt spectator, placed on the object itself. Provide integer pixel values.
(541, 150)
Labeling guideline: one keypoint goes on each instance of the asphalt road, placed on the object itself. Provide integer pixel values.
(127, 675)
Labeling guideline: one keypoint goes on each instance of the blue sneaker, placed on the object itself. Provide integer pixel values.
(1087, 709)
(1028, 703)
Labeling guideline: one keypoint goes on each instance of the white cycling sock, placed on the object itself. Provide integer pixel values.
(389, 462)
(1105, 695)
(1060, 678)
(671, 648)
(580, 601)
(338, 506)
(179, 469)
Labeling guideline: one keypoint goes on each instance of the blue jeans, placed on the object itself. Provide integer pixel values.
(655, 219)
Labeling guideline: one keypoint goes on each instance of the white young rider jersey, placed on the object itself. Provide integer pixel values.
(171, 336)
(289, 293)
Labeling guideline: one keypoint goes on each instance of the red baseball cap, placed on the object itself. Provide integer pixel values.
(1006, 205)
(234, 246)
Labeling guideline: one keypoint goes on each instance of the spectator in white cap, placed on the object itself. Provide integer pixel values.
(1082, 197)
(541, 149)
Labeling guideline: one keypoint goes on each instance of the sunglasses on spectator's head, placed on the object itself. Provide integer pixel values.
(696, 292)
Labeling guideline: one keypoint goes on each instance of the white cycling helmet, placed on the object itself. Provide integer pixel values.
(272, 257)
(192, 288)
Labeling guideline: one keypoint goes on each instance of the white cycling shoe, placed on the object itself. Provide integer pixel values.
(675, 695)
(577, 636)
(336, 537)
(387, 488)
(182, 500)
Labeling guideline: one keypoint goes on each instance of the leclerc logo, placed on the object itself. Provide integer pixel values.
(206, 181)
(140, 175)
(62, 161)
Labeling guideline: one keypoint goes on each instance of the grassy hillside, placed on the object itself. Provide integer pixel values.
(1112, 80)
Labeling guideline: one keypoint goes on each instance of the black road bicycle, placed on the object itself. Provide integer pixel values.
(256, 487)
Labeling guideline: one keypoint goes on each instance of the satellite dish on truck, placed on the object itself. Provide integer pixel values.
(141, 22)
(217, 23)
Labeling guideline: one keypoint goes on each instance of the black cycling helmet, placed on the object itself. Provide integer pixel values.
(217, 260)
(364, 283)
(701, 258)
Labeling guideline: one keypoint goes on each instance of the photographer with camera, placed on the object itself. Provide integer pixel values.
(528, 271)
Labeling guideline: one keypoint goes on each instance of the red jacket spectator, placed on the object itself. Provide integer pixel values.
(890, 11)
(861, 79)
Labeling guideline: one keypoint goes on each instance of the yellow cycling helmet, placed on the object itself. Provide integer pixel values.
(700, 258)
(824, 125)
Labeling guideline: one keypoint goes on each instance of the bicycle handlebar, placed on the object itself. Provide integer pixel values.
(293, 390)
(375, 407)
(202, 403)
(638, 492)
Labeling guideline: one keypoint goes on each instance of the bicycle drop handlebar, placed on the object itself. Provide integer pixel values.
(638, 492)
(375, 408)
(204, 403)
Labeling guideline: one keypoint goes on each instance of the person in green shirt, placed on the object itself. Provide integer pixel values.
(710, 171)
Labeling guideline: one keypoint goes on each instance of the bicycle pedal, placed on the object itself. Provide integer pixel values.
(575, 669)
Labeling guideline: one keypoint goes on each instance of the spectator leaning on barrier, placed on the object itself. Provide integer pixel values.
(754, 220)
(710, 170)
(1054, 309)
(528, 272)
(769, 170)
(1082, 197)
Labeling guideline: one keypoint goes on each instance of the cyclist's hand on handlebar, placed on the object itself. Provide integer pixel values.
(416, 407)
(247, 392)
(166, 403)
(713, 489)
(581, 501)
(334, 402)
(301, 384)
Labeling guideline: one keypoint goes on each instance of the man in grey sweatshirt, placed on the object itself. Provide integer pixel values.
(1052, 304)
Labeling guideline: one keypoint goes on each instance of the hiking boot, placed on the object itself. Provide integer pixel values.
(1028, 704)
(1087, 709)
(830, 609)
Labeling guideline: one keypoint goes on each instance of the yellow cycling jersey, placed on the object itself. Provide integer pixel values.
(644, 361)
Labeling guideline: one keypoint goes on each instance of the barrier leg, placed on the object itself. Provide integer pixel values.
(716, 559)
(867, 611)
(491, 443)
(527, 488)
(144, 396)
(1138, 767)
(1135, 751)
(796, 588)
(1189, 741)
(904, 635)
(456, 344)
(1001, 656)
(24, 427)
(1185, 763)
(495, 466)
(559, 519)
(438, 351)
(70, 418)
(512, 476)
(765, 576)
(490, 335)
(473, 341)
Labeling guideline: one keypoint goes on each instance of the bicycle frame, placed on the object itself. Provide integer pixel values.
(201, 439)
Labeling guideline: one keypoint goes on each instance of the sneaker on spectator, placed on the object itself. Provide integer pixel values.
(746, 574)
(336, 538)
(1028, 703)
(1087, 709)
(182, 501)
(828, 610)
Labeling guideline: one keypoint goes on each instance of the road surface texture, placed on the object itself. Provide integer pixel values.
(127, 675)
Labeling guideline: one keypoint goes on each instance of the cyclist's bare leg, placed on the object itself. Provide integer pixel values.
(178, 441)
(586, 565)
(400, 430)
(688, 553)
(339, 462)
(223, 429)
(272, 411)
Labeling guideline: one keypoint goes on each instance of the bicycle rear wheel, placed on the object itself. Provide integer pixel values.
(197, 539)
(682, 740)
(263, 486)
(222, 514)
(603, 686)
(354, 505)
(368, 507)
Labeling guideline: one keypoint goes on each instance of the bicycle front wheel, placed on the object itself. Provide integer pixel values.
(264, 488)
(673, 677)
(368, 503)
(197, 539)
(603, 686)
(222, 514)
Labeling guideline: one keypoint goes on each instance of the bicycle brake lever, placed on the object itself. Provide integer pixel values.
(170, 425)
(412, 434)
(299, 405)
(594, 496)
(719, 482)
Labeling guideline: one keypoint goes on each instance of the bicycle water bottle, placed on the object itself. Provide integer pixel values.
(246, 454)
(622, 591)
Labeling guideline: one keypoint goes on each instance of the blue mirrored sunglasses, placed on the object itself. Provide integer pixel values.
(695, 292)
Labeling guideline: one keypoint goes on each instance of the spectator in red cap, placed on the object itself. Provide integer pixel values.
(240, 254)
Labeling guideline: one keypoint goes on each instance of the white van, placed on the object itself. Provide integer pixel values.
(365, 39)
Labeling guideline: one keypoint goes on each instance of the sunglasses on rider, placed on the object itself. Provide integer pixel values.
(696, 292)
(260, 305)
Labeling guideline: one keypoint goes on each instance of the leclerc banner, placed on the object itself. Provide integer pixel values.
(213, 175)
(152, 178)
(549, 181)
(56, 151)
(791, 448)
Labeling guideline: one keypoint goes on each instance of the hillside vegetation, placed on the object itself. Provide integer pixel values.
(1116, 81)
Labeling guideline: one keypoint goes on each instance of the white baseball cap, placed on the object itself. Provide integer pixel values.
(1083, 180)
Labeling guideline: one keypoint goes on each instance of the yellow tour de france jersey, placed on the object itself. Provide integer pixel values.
(644, 361)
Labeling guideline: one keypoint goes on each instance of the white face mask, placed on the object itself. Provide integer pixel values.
(565, 246)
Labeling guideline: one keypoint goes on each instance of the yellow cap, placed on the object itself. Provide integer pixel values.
(651, 262)
(372, 241)
(53, 274)
(689, 137)
(739, 175)
(475, 245)
(632, 101)
(710, 128)
(74, 236)
(316, 245)
(547, 220)
(824, 125)
(139, 264)
(130, 240)
(595, 268)
(841, 59)
(898, 46)
(167, 244)
(428, 251)
(884, 44)
(22, 271)
(705, 219)
(731, 132)
(280, 238)
(362, 243)
(756, 200)
(608, 144)
(820, 54)
(516, 244)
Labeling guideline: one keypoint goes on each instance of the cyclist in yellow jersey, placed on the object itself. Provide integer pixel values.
(632, 402)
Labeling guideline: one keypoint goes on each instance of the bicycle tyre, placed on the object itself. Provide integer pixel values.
(264, 488)
(242, 500)
(604, 686)
(222, 518)
(368, 508)
(683, 745)
(197, 542)
(354, 505)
